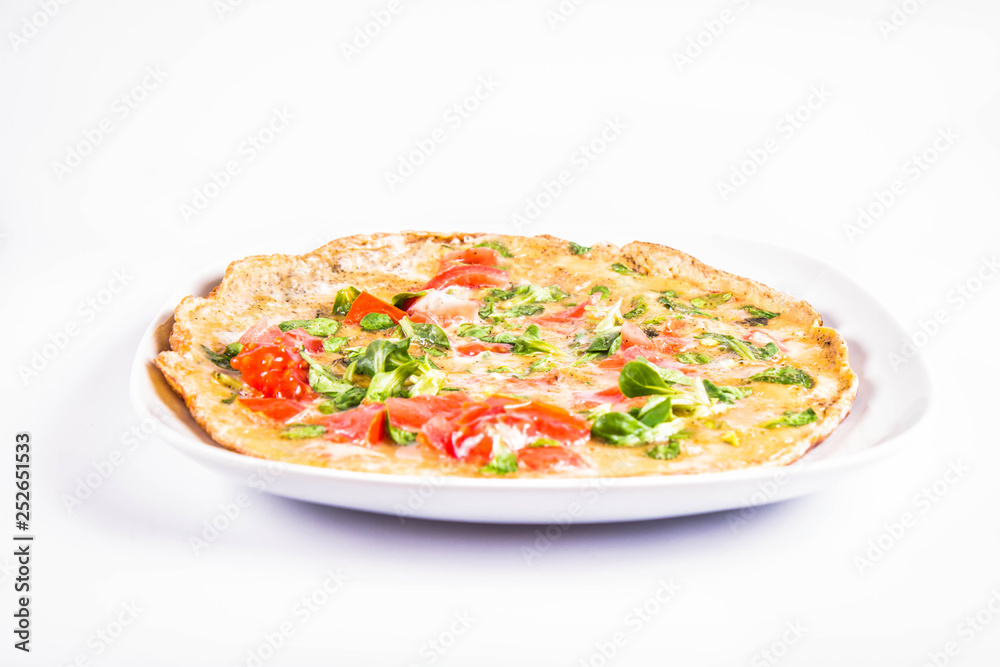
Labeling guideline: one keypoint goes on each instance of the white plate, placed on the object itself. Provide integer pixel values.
(890, 403)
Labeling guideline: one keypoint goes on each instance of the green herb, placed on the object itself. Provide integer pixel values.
(332, 344)
(487, 310)
(725, 394)
(222, 359)
(638, 306)
(391, 383)
(748, 351)
(499, 247)
(670, 300)
(301, 431)
(232, 397)
(382, 355)
(403, 297)
(713, 300)
(545, 442)
(502, 462)
(399, 436)
(524, 310)
(760, 312)
(664, 452)
(693, 358)
(641, 378)
(344, 300)
(605, 340)
(530, 342)
(349, 399)
(227, 381)
(659, 319)
(376, 322)
(602, 290)
(321, 379)
(469, 330)
(427, 334)
(585, 359)
(792, 418)
(755, 321)
(784, 375)
(618, 267)
(501, 369)
(578, 249)
(502, 337)
(543, 365)
(319, 326)
(624, 429)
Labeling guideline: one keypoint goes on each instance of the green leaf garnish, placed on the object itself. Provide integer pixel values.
(748, 351)
(713, 300)
(399, 436)
(391, 383)
(784, 375)
(502, 462)
(693, 358)
(499, 247)
(321, 379)
(344, 300)
(382, 355)
(725, 394)
(524, 310)
(666, 451)
(760, 312)
(605, 340)
(638, 306)
(318, 326)
(641, 378)
(376, 322)
(670, 300)
(425, 333)
(469, 330)
(301, 431)
(577, 249)
(654, 423)
(332, 344)
(602, 290)
(618, 267)
(530, 342)
(222, 359)
(403, 297)
(791, 418)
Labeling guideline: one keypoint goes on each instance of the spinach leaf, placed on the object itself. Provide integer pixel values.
(670, 300)
(523, 310)
(748, 351)
(495, 245)
(502, 337)
(403, 297)
(301, 431)
(487, 310)
(693, 358)
(479, 332)
(332, 344)
(792, 418)
(222, 359)
(578, 249)
(383, 355)
(426, 333)
(638, 306)
(344, 300)
(530, 342)
(784, 375)
(603, 341)
(502, 462)
(623, 429)
(760, 312)
(725, 394)
(391, 383)
(319, 326)
(376, 322)
(641, 378)
(712, 300)
(321, 379)
(618, 267)
(602, 290)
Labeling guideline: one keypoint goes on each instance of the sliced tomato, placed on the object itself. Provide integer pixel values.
(633, 335)
(281, 409)
(554, 422)
(251, 334)
(541, 459)
(292, 340)
(472, 349)
(412, 413)
(366, 303)
(274, 371)
(439, 307)
(669, 344)
(481, 256)
(469, 275)
(363, 424)
(569, 314)
(651, 355)
(762, 338)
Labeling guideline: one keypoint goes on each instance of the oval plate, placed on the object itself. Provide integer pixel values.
(890, 403)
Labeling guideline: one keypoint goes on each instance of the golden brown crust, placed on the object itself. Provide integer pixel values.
(283, 287)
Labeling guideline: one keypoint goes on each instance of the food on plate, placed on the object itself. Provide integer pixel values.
(486, 355)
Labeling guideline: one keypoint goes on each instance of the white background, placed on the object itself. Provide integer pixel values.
(66, 233)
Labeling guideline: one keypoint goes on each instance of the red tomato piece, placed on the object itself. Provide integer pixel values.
(439, 307)
(363, 424)
(633, 335)
(569, 314)
(281, 409)
(481, 256)
(554, 422)
(469, 275)
(539, 459)
(412, 413)
(366, 303)
(472, 349)
(274, 371)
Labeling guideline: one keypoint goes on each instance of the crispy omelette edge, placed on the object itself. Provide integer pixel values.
(199, 390)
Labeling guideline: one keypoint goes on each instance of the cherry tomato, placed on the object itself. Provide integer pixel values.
(274, 371)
